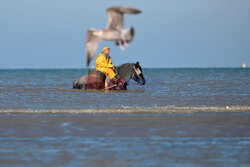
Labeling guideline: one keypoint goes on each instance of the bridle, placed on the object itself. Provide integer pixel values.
(137, 72)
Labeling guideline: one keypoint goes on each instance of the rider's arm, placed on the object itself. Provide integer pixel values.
(110, 64)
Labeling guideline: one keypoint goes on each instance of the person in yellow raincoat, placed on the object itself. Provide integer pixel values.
(104, 64)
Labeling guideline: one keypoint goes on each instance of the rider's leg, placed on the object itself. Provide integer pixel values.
(111, 75)
(114, 79)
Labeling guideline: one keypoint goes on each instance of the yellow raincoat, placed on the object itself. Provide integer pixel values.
(105, 65)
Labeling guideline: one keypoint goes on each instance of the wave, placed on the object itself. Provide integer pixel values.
(126, 109)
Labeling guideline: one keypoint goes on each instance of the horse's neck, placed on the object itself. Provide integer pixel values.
(125, 71)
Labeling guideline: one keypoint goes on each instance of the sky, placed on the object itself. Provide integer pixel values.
(168, 33)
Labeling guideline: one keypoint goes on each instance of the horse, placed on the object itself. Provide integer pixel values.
(124, 72)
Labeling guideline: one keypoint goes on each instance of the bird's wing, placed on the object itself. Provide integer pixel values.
(115, 16)
(92, 42)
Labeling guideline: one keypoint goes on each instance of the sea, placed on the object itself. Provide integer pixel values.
(180, 117)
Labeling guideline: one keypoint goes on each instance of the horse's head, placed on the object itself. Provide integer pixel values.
(138, 76)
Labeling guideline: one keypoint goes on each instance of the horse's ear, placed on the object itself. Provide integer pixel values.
(137, 63)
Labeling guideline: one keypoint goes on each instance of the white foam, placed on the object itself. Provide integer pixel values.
(127, 109)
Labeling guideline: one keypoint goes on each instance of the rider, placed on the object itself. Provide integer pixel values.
(104, 64)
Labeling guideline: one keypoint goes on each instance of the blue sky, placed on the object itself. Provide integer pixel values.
(168, 33)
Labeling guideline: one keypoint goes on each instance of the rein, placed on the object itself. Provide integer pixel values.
(116, 72)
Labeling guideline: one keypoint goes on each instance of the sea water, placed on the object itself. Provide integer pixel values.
(180, 117)
(188, 87)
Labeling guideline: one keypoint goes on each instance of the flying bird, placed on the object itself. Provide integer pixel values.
(114, 31)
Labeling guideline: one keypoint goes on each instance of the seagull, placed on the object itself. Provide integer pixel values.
(114, 31)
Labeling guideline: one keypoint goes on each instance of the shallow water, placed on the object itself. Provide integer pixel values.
(51, 89)
(201, 139)
(181, 117)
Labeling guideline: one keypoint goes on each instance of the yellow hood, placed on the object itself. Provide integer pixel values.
(105, 48)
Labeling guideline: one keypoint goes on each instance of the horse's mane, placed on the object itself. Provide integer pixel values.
(124, 65)
(125, 69)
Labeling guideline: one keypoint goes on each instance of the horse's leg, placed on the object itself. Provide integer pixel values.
(125, 86)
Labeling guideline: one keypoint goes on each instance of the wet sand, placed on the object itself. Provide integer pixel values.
(194, 139)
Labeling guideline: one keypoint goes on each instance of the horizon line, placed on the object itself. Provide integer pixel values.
(67, 68)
